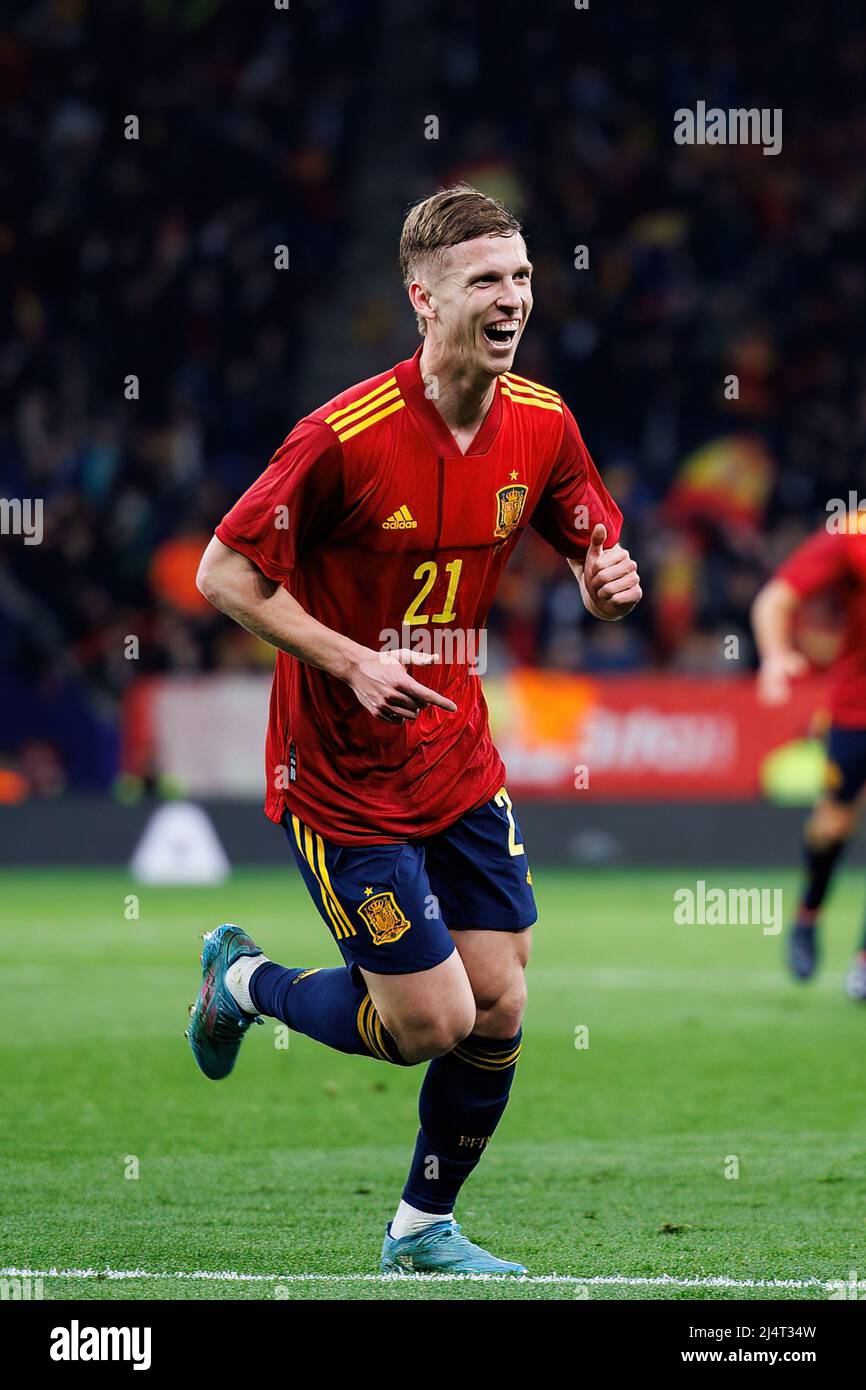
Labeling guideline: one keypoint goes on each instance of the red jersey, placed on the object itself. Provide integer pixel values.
(834, 563)
(377, 524)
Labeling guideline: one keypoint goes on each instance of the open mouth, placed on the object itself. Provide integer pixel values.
(503, 332)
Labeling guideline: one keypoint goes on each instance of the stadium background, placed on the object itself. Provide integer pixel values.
(307, 128)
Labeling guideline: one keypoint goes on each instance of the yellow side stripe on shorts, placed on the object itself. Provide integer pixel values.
(306, 848)
(338, 906)
(329, 906)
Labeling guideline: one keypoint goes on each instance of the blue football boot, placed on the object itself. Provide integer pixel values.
(802, 945)
(441, 1249)
(217, 1023)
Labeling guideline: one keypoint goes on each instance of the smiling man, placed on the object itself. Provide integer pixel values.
(397, 505)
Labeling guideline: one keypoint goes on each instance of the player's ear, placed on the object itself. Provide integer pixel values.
(419, 298)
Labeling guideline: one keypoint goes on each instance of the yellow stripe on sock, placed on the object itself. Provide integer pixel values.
(500, 1064)
(366, 1018)
(380, 1034)
(360, 1021)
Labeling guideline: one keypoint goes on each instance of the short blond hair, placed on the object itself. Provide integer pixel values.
(452, 215)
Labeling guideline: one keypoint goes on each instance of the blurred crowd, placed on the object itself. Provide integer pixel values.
(149, 352)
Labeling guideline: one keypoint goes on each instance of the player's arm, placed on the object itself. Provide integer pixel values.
(773, 625)
(238, 588)
(576, 515)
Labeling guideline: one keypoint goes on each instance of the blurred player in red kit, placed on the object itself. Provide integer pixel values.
(830, 563)
(393, 509)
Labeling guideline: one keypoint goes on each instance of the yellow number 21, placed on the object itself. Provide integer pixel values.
(428, 571)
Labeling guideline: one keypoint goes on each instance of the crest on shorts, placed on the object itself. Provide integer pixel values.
(384, 918)
(510, 502)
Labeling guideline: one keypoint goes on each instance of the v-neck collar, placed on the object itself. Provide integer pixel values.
(431, 423)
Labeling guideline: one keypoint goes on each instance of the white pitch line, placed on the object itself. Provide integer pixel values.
(713, 1281)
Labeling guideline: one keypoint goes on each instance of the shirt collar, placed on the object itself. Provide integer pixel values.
(431, 423)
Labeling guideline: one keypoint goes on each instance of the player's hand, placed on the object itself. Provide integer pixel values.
(610, 577)
(385, 688)
(775, 675)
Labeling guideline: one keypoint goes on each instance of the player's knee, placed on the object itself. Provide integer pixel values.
(504, 1017)
(423, 1038)
(830, 823)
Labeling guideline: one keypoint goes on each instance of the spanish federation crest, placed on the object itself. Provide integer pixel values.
(510, 502)
(384, 918)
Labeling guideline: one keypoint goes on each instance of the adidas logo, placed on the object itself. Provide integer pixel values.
(401, 520)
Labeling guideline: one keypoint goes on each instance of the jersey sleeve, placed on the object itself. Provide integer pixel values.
(297, 499)
(575, 499)
(816, 564)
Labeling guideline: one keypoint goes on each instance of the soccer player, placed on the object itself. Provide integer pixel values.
(368, 553)
(832, 562)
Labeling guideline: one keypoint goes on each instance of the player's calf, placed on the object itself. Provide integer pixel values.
(826, 835)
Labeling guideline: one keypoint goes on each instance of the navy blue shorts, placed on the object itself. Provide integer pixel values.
(846, 763)
(390, 907)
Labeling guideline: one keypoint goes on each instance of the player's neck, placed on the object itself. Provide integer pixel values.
(463, 395)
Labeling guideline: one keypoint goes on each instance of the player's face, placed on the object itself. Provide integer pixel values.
(482, 297)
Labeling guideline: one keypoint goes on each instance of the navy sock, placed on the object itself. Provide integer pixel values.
(820, 863)
(462, 1100)
(327, 1005)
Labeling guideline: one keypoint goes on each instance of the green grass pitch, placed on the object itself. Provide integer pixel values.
(610, 1161)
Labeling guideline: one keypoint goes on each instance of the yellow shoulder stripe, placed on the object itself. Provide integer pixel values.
(362, 400)
(365, 410)
(365, 424)
(533, 388)
(530, 400)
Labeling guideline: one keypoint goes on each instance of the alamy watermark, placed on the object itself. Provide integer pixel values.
(21, 1287)
(22, 516)
(452, 645)
(722, 907)
(846, 517)
(852, 1287)
(737, 126)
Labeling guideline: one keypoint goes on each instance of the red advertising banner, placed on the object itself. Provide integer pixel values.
(642, 738)
(612, 737)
